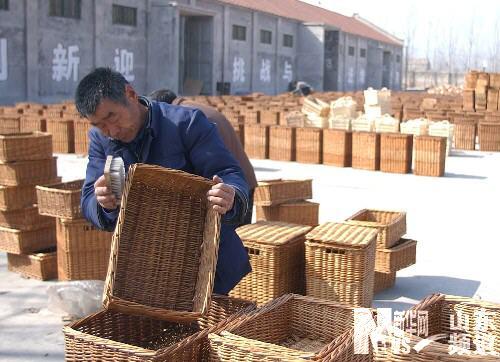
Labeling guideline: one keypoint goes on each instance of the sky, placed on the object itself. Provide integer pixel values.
(444, 31)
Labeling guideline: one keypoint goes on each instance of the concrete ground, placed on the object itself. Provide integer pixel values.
(454, 219)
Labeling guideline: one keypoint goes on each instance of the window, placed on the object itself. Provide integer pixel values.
(65, 8)
(4, 4)
(362, 53)
(398, 58)
(239, 32)
(124, 15)
(351, 51)
(266, 36)
(288, 40)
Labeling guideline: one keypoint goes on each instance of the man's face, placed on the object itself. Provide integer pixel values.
(116, 120)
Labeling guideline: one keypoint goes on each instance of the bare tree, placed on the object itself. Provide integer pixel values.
(494, 48)
(471, 53)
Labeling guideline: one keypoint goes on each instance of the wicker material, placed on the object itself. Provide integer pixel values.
(366, 150)
(25, 242)
(33, 124)
(276, 252)
(28, 172)
(391, 225)
(19, 197)
(41, 265)
(396, 152)
(25, 146)
(82, 128)
(275, 192)
(10, 124)
(489, 137)
(60, 200)
(290, 328)
(465, 135)
(337, 147)
(430, 156)
(309, 145)
(282, 143)
(340, 262)
(163, 258)
(294, 212)
(396, 258)
(383, 281)
(63, 135)
(270, 118)
(82, 250)
(24, 219)
(114, 336)
(457, 319)
(257, 141)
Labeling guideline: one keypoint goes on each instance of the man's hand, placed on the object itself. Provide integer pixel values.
(221, 196)
(103, 194)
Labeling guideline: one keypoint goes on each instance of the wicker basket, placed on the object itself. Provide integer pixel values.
(82, 128)
(42, 265)
(257, 141)
(19, 197)
(28, 172)
(398, 257)
(63, 135)
(60, 200)
(114, 336)
(337, 147)
(366, 150)
(290, 328)
(82, 250)
(294, 212)
(340, 263)
(309, 145)
(465, 135)
(25, 146)
(282, 143)
(24, 219)
(275, 192)
(430, 156)
(33, 124)
(489, 137)
(25, 242)
(10, 124)
(454, 319)
(270, 118)
(276, 252)
(169, 274)
(391, 225)
(383, 281)
(396, 152)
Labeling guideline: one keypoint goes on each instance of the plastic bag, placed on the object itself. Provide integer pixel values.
(76, 298)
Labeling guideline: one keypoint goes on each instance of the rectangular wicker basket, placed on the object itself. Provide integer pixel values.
(465, 135)
(400, 256)
(63, 135)
(275, 192)
(42, 265)
(163, 258)
(10, 124)
(26, 242)
(82, 250)
(60, 200)
(383, 281)
(309, 145)
(366, 150)
(119, 337)
(25, 146)
(28, 172)
(391, 225)
(276, 252)
(396, 152)
(33, 124)
(25, 219)
(19, 197)
(453, 319)
(294, 212)
(337, 147)
(489, 137)
(282, 143)
(82, 128)
(257, 141)
(340, 263)
(430, 156)
(290, 328)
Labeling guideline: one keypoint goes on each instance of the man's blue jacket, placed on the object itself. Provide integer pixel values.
(179, 138)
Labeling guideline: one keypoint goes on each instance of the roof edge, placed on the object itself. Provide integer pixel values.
(379, 29)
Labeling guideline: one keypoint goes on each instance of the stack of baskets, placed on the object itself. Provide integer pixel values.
(28, 238)
(286, 201)
(393, 253)
(82, 250)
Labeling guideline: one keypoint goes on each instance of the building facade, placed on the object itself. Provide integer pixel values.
(189, 46)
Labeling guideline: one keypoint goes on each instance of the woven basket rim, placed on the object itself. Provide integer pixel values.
(24, 135)
(55, 187)
(280, 181)
(369, 235)
(25, 162)
(295, 231)
(403, 244)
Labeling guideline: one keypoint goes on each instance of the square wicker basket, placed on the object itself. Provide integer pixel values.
(275, 192)
(165, 246)
(26, 242)
(25, 146)
(400, 256)
(337, 147)
(282, 143)
(60, 200)
(294, 212)
(42, 265)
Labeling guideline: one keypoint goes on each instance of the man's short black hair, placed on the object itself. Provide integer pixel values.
(99, 84)
(163, 95)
